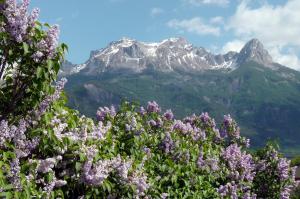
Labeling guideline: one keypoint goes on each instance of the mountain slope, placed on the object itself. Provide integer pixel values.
(263, 96)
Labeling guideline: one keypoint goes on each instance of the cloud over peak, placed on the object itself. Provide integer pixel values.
(194, 25)
(277, 26)
(156, 11)
(207, 2)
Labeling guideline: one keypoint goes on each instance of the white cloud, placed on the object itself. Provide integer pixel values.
(207, 2)
(289, 59)
(277, 27)
(217, 20)
(156, 11)
(235, 45)
(194, 25)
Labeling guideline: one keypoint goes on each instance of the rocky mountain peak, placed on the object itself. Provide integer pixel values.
(254, 51)
(169, 55)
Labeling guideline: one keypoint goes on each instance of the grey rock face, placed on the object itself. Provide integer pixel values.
(167, 55)
(254, 51)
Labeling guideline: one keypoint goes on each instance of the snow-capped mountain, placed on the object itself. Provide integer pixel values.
(167, 55)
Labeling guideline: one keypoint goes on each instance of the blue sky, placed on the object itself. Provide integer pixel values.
(218, 25)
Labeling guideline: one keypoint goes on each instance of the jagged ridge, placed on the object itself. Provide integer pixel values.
(168, 55)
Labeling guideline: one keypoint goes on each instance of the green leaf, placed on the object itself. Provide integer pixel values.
(39, 72)
(64, 47)
(6, 194)
(78, 166)
(25, 48)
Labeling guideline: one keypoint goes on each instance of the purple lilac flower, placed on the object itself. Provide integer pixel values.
(37, 56)
(159, 123)
(169, 115)
(198, 134)
(52, 40)
(6, 132)
(213, 163)
(99, 131)
(167, 144)
(123, 168)
(104, 112)
(230, 189)
(248, 195)
(200, 161)
(140, 182)
(147, 151)
(132, 126)
(18, 21)
(95, 174)
(207, 121)
(142, 111)
(152, 123)
(182, 127)
(59, 129)
(60, 183)
(239, 161)
(153, 107)
(191, 119)
(44, 105)
(45, 166)
(17, 135)
(283, 168)
(286, 192)
(230, 128)
(15, 174)
(164, 195)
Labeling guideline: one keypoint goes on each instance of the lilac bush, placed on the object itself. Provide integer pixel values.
(48, 150)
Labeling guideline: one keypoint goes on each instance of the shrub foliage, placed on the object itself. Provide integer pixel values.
(49, 151)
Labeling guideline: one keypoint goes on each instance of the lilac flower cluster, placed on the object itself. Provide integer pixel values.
(167, 144)
(49, 185)
(16, 135)
(211, 163)
(15, 174)
(153, 107)
(99, 131)
(182, 127)
(198, 134)
(47, 46)
(142, 111)
(132, 126)
(240, 164)
(231, 190)
(45, 166)
(207, 120)
(241, 172)
(95, 174)
(272, 166)
(283, 168)
(156, 123)
(18, 21)
(139, 180)
(191, 119)
(169, 115)
(230, 128)
(104, 112)
(44, 105)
